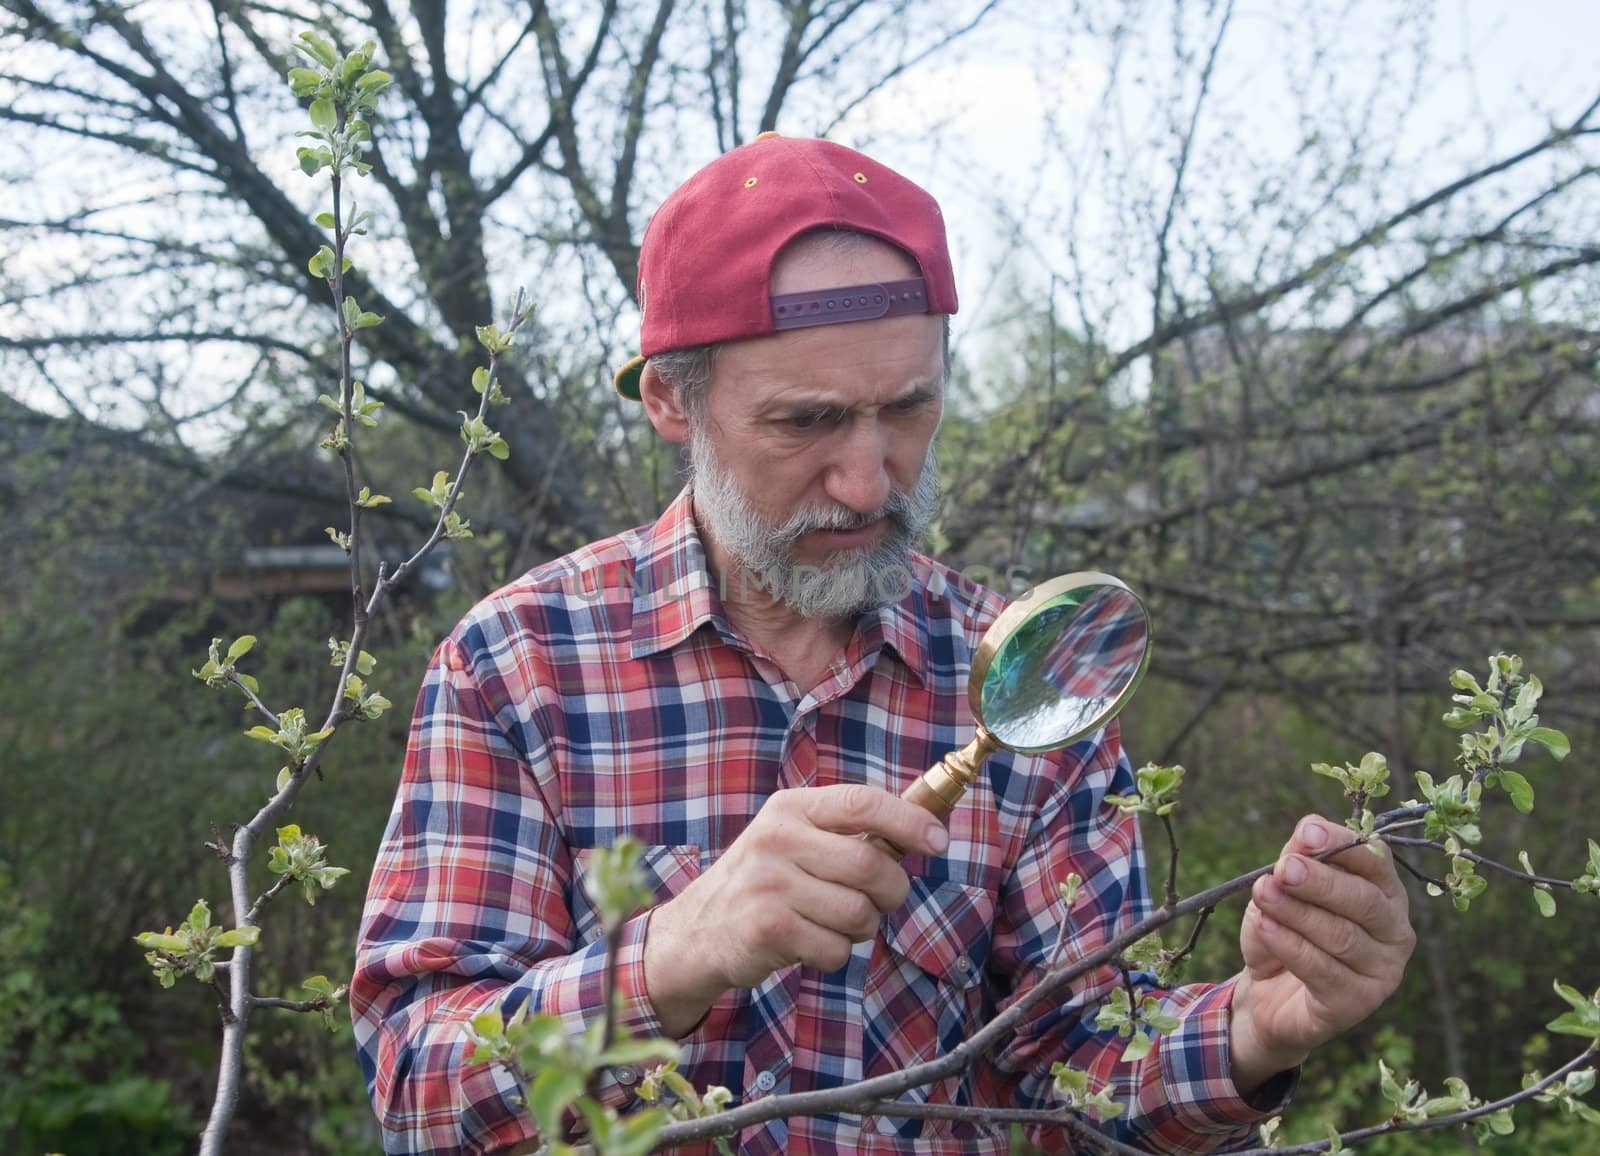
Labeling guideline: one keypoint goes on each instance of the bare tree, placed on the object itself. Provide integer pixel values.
(154, 232)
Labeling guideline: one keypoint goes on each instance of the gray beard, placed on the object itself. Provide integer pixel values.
(848, 583)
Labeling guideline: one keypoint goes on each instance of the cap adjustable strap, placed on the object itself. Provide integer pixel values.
(851, 303)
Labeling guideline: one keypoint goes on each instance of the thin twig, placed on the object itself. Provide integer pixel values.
(228, 1017)
(1466, 1117)
(1172, 864)
(609, 993)
(267, 896)
(321, 1003)
(1418, 874)
(1480, 860)
(1194, 935)
(255, 699)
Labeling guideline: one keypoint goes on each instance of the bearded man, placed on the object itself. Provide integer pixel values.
(746, 685)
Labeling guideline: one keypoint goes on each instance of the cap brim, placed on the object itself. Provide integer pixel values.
(627, 378)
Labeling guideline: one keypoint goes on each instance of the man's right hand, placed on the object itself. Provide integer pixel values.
(799, 885)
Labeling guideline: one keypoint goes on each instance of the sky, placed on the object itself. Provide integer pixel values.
(1500, 71)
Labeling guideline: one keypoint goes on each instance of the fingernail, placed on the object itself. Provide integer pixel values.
(938, 838)
(1314, 834)
(1294, 870)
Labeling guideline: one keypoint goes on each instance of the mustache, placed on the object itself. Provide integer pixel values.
(897, 508)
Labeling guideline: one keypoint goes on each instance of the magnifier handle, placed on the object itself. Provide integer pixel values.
(923, 793)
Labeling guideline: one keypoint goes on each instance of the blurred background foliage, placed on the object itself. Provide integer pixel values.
(1328, 399)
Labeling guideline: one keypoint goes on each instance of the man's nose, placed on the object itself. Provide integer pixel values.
(858, 476)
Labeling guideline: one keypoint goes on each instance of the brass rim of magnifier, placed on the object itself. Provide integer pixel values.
(940, 788)
(1005, 625)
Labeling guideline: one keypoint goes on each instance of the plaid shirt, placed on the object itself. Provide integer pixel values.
(606, 693)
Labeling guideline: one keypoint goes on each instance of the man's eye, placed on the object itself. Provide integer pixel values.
(811, 418)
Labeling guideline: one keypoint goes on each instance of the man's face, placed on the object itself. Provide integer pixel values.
(811, 449)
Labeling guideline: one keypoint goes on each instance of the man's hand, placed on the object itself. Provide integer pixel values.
(1325, 943)
(799, 885)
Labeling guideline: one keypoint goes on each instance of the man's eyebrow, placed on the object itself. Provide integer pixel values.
(922, 389)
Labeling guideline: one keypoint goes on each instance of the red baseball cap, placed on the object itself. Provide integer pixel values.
(706, 259)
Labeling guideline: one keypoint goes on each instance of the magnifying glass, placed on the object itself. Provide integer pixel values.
(1056, 665)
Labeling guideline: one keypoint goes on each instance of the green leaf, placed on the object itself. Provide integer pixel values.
(480, 379)
(158, 941)
(553, 1091)
(321, 263)
(318, 49)
(490, 337)
(304, 81)
(1552, 740)
(1546, 902)
(374, 82)
(1583, 1020)
(601, 1121)
(1573, 996)
(636, 1135)
(1517, 786)
(1138, 1048)
(285, 777)
(1069, 1081)
(323, 114)
(489, 1024)
(240, 937)
(1572, 1024)
(638, 1052)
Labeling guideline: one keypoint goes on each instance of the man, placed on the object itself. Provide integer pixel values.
(746, 685)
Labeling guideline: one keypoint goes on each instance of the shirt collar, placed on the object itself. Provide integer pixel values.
(674, 595)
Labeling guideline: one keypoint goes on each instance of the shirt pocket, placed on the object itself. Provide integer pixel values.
(667, 869)
(925, 991)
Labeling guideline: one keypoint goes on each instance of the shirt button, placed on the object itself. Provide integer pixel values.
(628, 1075)
(766, 1081)
(887, 1126)
(963, 963)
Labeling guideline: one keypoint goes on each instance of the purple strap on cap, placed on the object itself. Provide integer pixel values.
(852, 303)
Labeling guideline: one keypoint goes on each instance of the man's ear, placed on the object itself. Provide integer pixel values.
(662, 405)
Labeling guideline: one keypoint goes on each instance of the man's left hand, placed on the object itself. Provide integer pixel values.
(1324, 943)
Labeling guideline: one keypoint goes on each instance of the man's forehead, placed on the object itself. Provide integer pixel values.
(826, 259)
